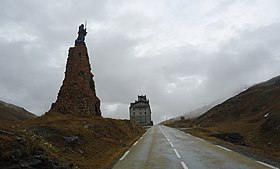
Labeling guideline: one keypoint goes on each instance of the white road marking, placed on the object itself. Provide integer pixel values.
(223, 148)
(125, 154)
(184, 165)
(182, 131)
(270, 166)
(171, 144)
(200, 139)
(196, 137)
(168, 139)
(135, 143)
(162, 132)
(140, 137)
(177, 154)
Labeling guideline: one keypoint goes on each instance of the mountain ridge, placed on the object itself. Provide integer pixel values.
(250, 119)
(11, 112)
(246, 122)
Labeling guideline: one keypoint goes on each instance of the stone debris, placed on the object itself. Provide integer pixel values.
(71, 139)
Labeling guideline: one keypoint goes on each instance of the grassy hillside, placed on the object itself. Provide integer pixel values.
(66, 141)
(251, 119)
(10, 112)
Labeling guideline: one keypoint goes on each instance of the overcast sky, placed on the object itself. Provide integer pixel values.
(182, 54)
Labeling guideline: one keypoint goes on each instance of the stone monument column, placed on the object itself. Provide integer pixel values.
(77, 94)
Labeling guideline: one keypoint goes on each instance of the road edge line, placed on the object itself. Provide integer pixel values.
(268, 165)
(135, 143)
(184, 165)
(177, 154)
(125, 154)
(223, 148)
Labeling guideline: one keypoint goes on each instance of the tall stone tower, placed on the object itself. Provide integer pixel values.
(77, 94)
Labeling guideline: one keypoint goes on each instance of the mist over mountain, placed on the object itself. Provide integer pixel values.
(250, 119)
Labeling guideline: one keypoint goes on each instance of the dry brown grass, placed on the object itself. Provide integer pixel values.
(253, 114)
(101, 141)
(251, 146)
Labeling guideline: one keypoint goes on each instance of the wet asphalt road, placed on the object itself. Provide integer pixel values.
(162, 147)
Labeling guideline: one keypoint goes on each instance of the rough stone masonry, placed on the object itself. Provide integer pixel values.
(77, 94)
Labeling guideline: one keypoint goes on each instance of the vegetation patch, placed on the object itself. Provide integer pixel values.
(66, 141)
(234, 138)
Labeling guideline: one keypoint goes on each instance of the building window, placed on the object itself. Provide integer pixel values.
(140, 113)
(145, 112)
(133, 113)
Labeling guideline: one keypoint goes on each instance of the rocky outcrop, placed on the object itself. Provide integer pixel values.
(17, 152)
(77, 94)
(234, 138)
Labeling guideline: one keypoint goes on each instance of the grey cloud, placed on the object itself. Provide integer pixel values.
(176, 77)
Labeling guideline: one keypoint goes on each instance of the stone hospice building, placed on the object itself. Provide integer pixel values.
(140, 111)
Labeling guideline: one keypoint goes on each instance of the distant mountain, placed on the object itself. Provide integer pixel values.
(254, 114)
(179, 122)
(10, 112)
(259, 103)
(199, 111)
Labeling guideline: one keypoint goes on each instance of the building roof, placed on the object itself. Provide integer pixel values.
(141, 102)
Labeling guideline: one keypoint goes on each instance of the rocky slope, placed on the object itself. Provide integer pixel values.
(251, 119)
(65, 141)
(10, 112)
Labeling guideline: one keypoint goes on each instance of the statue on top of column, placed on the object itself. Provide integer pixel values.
(81, 35)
